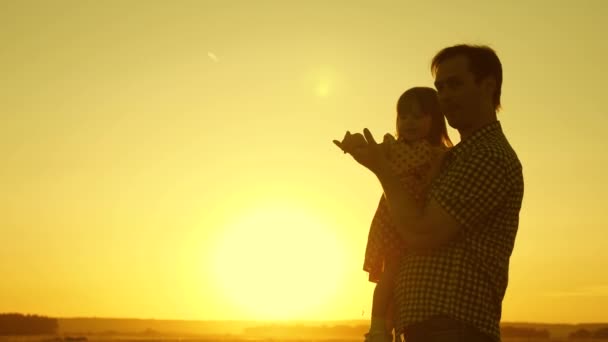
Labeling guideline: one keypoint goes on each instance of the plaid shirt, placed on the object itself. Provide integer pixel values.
(480, 184)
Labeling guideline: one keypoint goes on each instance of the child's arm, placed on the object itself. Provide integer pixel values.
(433, 171)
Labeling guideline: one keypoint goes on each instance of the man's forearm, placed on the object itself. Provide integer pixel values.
(405, 211)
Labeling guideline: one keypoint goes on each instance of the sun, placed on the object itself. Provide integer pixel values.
(278, 262)
(323, 88)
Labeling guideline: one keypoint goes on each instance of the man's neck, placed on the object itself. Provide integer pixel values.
(475, 126)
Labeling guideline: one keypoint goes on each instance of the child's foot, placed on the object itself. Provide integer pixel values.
(378, 336)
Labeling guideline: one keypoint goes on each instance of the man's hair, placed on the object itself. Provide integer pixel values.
(483, 62)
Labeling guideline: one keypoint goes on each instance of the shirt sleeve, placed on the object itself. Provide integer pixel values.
(472, 187)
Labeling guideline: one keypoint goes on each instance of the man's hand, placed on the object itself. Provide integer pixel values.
(365, 150)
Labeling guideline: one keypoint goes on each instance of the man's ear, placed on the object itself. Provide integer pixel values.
(488, 85)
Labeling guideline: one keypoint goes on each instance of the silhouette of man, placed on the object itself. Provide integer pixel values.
(452, 281)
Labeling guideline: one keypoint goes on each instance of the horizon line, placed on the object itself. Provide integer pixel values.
(298, 320)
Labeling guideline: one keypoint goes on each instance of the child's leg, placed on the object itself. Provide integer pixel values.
(383, 296)
(389, 277)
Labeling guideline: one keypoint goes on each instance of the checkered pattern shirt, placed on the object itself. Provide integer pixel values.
(480, 184)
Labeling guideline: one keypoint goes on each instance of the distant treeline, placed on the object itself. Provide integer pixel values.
(19, 324)
(523, 332)
(280, 330)
(272, 330)
(528, 333)
(601, 333)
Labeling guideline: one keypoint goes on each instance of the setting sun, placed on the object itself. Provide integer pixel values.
(278, 262)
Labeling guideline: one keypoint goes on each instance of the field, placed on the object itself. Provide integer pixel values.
(231, 338)
(145, 330)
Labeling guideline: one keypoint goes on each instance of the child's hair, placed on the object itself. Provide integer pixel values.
(429, 103)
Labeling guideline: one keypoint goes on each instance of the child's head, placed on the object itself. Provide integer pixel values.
(419, 117)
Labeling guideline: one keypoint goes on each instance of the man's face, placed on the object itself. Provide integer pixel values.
(459, 94)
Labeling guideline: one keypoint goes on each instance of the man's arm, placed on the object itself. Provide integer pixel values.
(469, 191)
(422, 228)
(474, 187)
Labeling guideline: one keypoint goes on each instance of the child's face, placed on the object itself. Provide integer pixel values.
(412, 123)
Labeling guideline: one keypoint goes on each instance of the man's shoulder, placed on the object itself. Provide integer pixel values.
(495, 147)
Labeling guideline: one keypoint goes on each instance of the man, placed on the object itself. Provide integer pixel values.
(452, 282)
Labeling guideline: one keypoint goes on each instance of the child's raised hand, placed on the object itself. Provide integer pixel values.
(351, 142)
(364, 149)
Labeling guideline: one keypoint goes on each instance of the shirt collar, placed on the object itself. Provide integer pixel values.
(479, 134)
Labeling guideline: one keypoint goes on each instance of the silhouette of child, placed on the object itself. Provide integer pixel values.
(421, 139)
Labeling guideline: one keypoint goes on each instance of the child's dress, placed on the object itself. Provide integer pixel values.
(411, 162)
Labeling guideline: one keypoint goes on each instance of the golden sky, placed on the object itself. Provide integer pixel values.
(173, 159)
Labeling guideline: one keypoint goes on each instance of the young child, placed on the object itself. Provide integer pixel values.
(421, 139)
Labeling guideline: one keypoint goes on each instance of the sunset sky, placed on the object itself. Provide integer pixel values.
(174, 159)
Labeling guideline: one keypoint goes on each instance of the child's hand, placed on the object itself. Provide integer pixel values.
(365, 150)
(351, 142)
